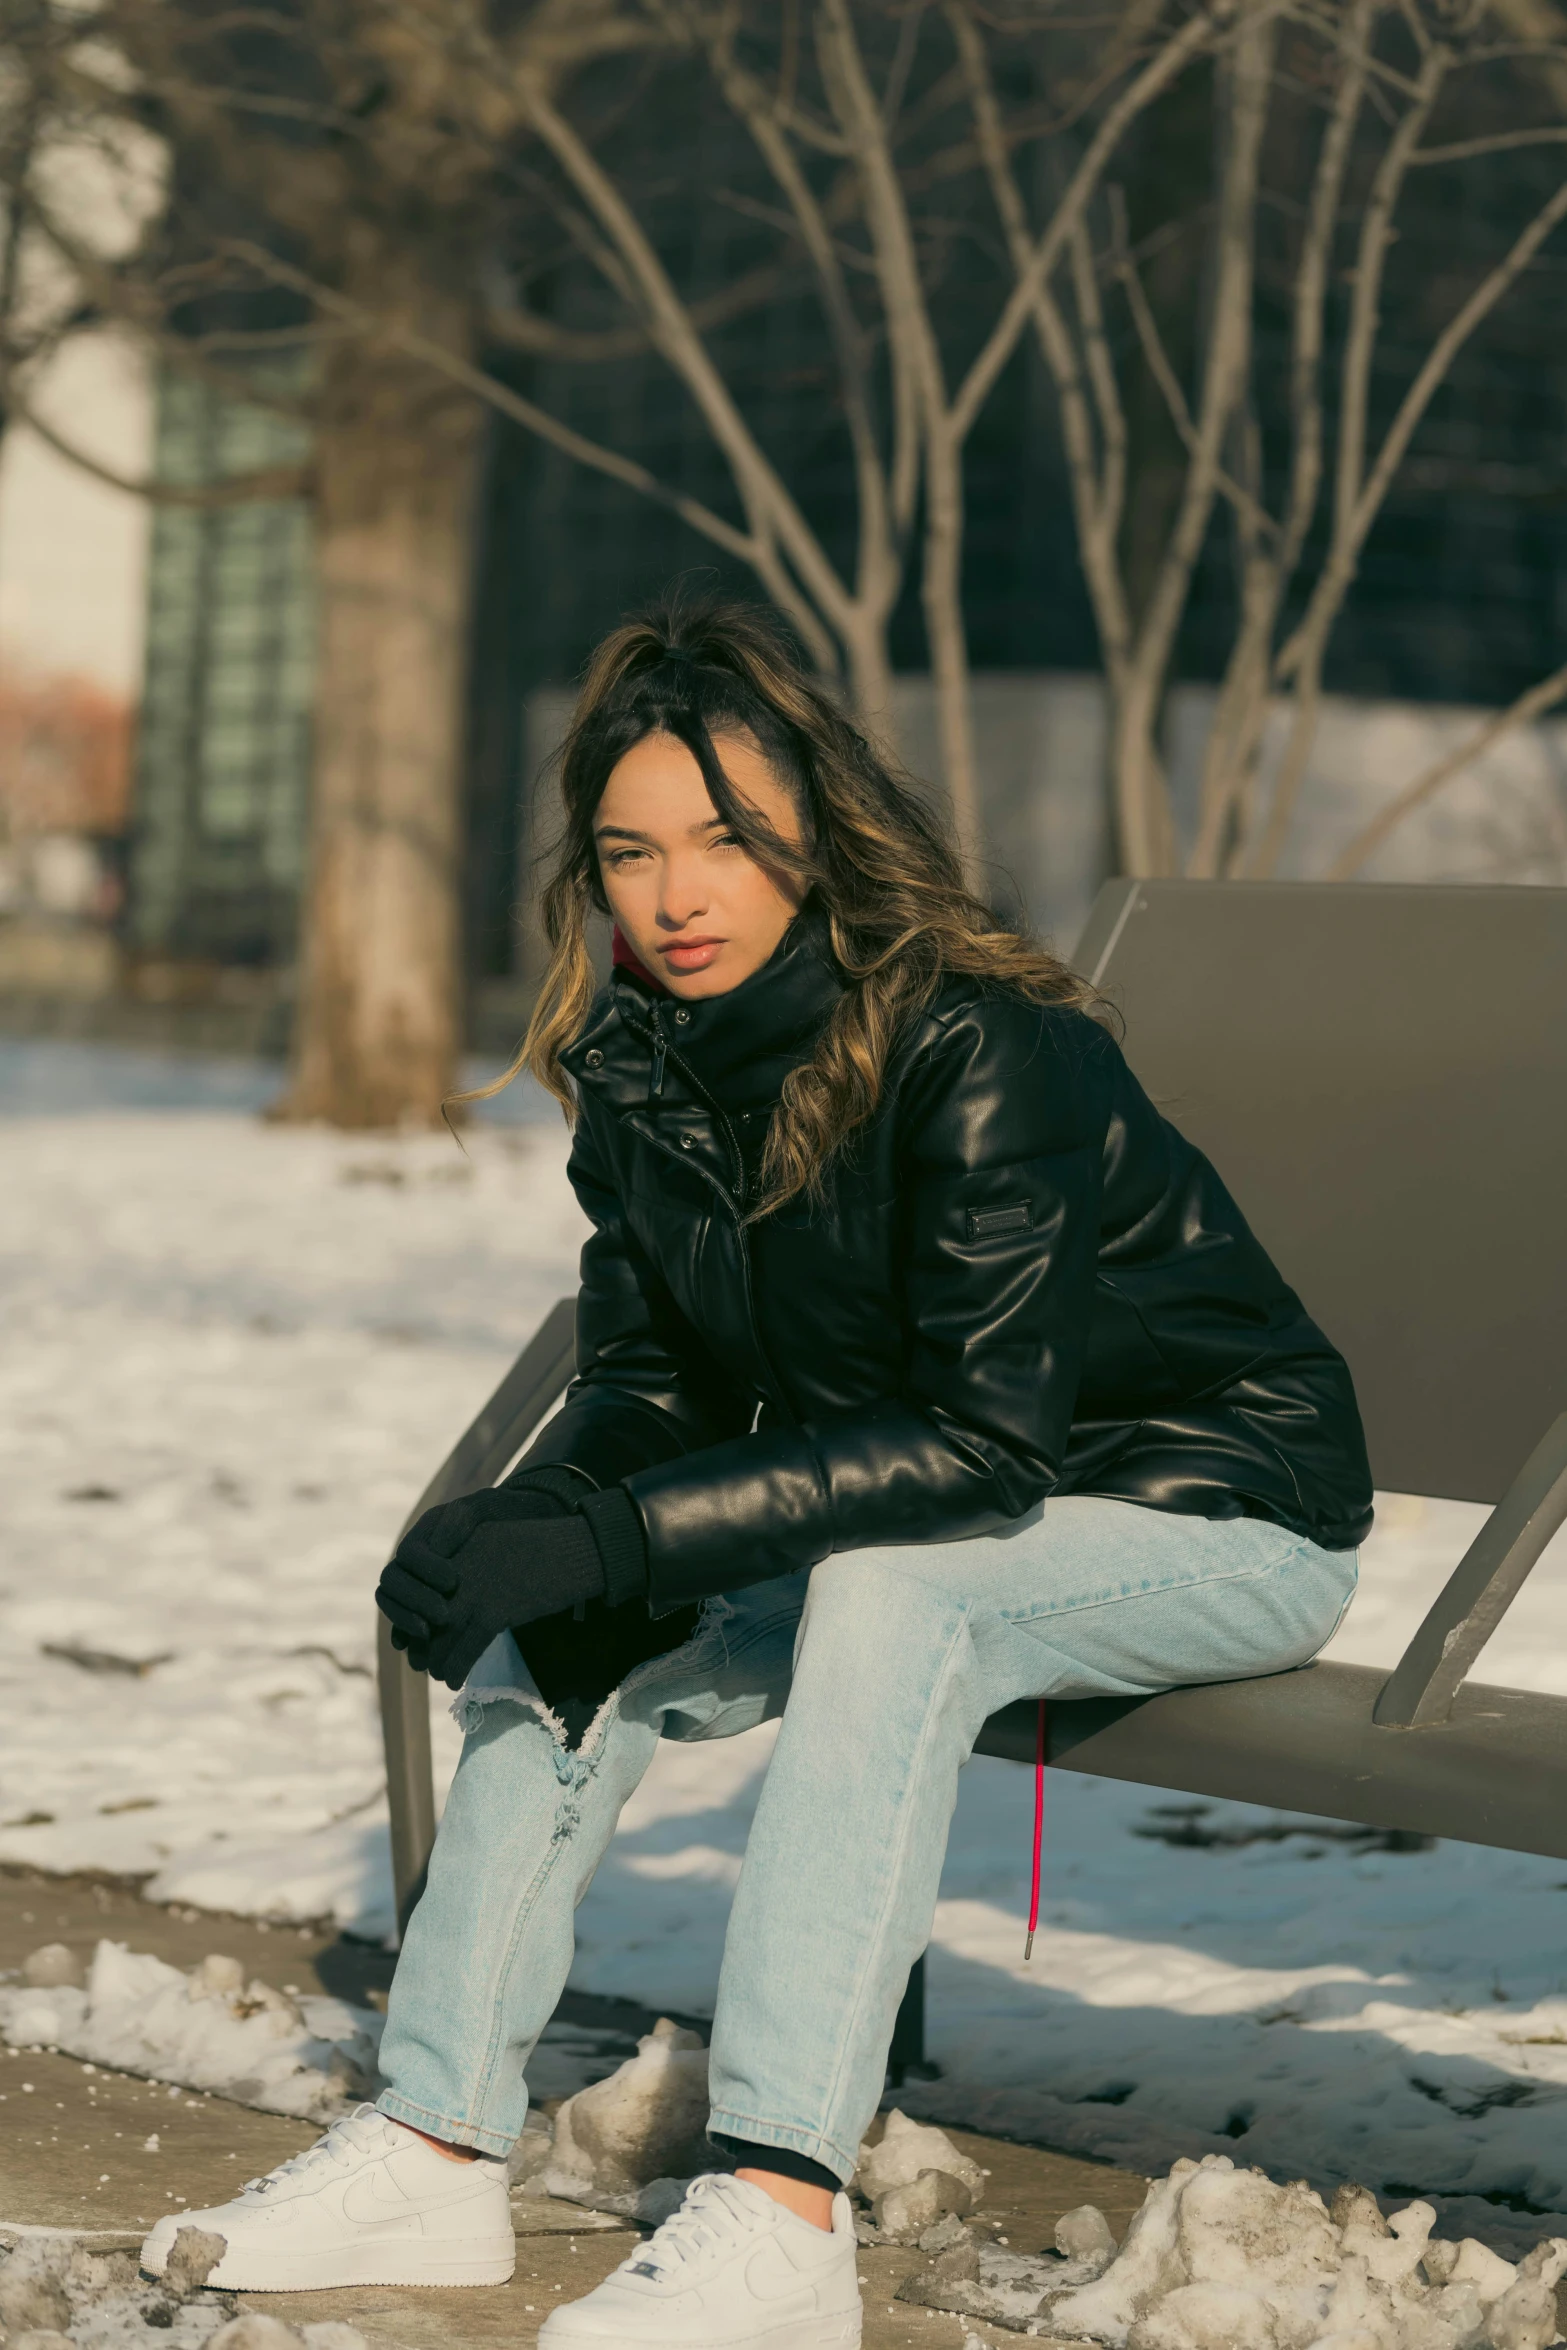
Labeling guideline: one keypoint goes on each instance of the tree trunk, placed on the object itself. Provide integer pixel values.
(1140, 796)
(376, 1034)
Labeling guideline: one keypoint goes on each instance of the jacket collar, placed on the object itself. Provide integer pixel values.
(739, 1047)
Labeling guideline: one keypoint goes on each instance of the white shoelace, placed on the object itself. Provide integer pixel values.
(714, 2212)
(346, 2137)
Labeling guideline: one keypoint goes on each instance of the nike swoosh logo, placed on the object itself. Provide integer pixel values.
(770, 2275)
(372, 2200)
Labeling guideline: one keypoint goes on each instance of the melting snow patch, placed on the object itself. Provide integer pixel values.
(208, 2029)
(629, 2144)
(914, 2179)
(1223, 2259)
(56, 2288)
(306, 2055)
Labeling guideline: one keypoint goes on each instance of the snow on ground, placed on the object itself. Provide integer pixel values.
(206, 2028)
(236, 1354)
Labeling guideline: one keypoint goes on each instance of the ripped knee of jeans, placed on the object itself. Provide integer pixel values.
(576, 1726)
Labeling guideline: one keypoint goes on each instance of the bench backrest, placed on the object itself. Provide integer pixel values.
(1380, 1076)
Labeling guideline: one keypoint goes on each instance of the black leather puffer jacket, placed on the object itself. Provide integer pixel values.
(1025, 1282)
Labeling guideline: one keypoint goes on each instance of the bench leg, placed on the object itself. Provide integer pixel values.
(405, 1733)
(906, 2059)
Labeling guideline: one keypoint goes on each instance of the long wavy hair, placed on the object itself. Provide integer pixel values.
(880, 861)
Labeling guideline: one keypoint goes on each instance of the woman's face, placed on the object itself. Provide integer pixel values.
(695, 909)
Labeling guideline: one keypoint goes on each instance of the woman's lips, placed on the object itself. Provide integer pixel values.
(690, 954)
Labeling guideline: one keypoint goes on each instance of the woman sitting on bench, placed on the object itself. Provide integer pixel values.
(923, 1366)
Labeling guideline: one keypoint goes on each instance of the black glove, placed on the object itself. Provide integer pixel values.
(421, 1581)
(469, 1569)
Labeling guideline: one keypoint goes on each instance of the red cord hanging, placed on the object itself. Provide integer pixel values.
(1039, 1829)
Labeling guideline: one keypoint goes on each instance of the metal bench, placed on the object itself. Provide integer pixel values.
(1380, 1075)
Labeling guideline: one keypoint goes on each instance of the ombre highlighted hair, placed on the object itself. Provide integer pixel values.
(880, 861)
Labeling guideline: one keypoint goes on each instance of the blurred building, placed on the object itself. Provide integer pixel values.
(65, 746)
(223, 750)
(72, 564)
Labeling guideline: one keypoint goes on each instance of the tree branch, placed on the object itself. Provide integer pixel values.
(1311, 286)
(1542, 29)
(1539, 698)
(525, 330)
(1154, 353)
(1101, 376)
(1095, 502)
(771, 510)
(917, 352)
(1446, 349)
(1201, 30)
(1145, 819)
(1359, 499)
(498, 395)
(1365, 304)
(1503, 143)
(1302, 656)
(21, 148)
(1361, 510)
(879, 571)
(136, 307)
(1240, 714)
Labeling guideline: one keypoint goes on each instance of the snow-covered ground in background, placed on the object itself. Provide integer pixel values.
(235, 1352)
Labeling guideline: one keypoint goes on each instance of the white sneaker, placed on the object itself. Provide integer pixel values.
(730, 2270)
(368, 2204)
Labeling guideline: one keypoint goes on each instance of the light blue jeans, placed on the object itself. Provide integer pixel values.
(883, 1665)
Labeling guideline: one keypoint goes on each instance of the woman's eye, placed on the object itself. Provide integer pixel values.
(725, 840)
(619, 859)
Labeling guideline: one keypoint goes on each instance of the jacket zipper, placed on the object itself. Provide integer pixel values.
(774, 1383)
(742, 1234)
(660, 1049)
(662, 1053)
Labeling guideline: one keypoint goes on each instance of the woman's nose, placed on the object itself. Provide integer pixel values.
(682, 895)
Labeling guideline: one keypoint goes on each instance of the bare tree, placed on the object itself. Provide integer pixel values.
(861, 160)
(831, 171)
(854, 169)
(1381, 83)
(1395, 92)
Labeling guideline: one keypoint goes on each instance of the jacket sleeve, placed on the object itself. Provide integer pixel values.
(1003, 1121)
(646, 1390)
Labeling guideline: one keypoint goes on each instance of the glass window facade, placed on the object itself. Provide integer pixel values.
(223, 753)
